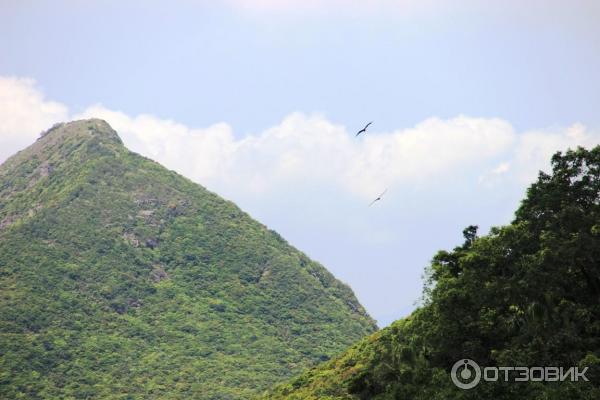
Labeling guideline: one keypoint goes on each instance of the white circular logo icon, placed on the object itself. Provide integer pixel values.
(465, 374)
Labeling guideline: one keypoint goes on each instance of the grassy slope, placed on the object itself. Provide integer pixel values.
(527, 294)
(123, 279)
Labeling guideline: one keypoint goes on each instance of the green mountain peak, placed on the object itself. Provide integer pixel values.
(122, 279)
(84, 129)
(54, 143)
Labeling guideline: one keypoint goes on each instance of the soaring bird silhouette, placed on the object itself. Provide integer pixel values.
(378, 198)
(363, 129)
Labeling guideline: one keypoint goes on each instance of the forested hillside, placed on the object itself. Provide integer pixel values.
(526, 294)
(121, 279)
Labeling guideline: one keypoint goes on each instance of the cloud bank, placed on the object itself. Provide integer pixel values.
(305, 147)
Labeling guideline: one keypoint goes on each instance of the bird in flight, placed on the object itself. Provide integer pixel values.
(378, 198)
(363, 129)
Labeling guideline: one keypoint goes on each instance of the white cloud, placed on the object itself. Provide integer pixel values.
(535, 148)
(24, 113)
(304, 150)
(434, 147)
(501, 168)
(305, 147)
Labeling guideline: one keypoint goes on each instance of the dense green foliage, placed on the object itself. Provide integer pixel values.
(527, 294)
(121, 279)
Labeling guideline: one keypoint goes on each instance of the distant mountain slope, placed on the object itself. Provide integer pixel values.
(527, 294)
(121, 279)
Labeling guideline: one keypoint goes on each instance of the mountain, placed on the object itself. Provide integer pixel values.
(122, 279)
(525, 295)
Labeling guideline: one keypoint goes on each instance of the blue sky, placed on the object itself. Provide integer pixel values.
(259, 100)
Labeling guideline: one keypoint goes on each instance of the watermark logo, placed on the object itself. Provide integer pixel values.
(466, 374)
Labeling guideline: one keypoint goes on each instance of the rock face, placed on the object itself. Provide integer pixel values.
(123, 279)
